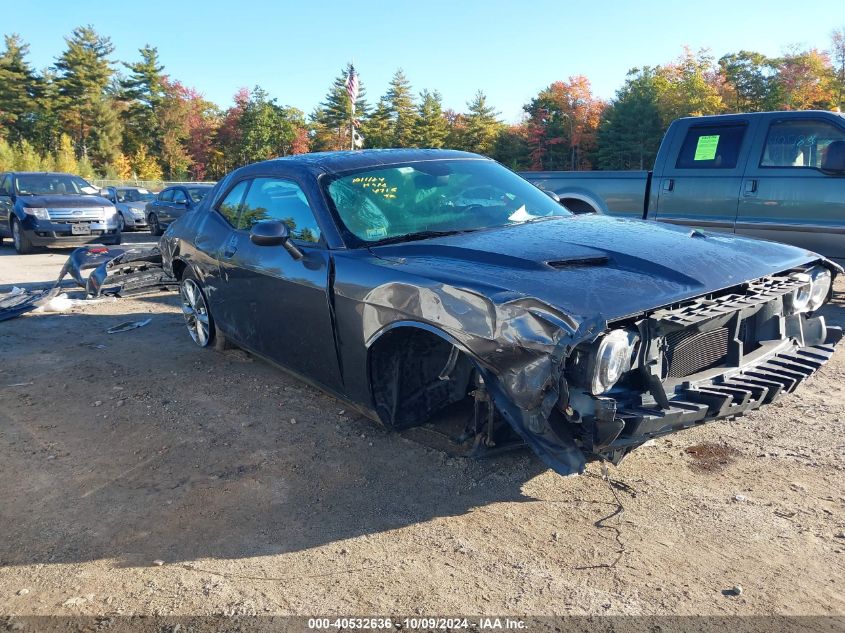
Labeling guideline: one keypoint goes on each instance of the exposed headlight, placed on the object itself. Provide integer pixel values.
(109, 212)
(801, 295)
(821, 287)
(41, 214)
(812, 294)
(612, 359)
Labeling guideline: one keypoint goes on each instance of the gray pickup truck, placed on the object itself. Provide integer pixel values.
(773, 175)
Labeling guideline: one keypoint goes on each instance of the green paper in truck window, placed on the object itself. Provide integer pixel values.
(706, 148)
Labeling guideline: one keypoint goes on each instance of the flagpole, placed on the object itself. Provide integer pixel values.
(352, 91)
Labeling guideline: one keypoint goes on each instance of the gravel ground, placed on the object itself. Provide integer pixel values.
(142, 475)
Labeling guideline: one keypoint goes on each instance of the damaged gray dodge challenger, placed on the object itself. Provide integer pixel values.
(426, 285)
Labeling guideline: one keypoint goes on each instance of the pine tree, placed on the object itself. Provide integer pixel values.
(106, 131)
(333, 117)
(84, 71)
(482, 125)
(631, 132)
(145, 92)
(400, 102)
(378, 128)
(18, 91)
(48, 126)
(431, 128)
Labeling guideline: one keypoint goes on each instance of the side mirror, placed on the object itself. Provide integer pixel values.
(104, 193)
(273, 233)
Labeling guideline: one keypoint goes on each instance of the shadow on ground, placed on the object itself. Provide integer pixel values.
(150, 448)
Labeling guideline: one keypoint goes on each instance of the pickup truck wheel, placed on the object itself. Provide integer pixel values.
(22, 244)
(198, 318)
(155, 227)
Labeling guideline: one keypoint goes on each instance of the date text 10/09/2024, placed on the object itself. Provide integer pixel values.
(421, 623)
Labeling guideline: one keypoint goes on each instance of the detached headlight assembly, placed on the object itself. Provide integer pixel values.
(612, 359)
(37, 212)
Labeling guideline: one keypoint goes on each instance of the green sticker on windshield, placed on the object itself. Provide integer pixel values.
(706, 148)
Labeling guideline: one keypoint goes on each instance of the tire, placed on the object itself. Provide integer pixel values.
(22, 244)
(121, 222)
(155, 227)
(198, 318)
(117, 240)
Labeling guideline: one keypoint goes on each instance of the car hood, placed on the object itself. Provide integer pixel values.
(63, 201)
(592, 265)
(132, 206)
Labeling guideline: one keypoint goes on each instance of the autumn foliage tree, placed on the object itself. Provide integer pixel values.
(563, 122)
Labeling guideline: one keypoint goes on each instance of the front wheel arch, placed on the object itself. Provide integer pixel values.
(405, 365)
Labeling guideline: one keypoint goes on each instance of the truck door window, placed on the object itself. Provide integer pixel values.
(711, 147)
(799, 143)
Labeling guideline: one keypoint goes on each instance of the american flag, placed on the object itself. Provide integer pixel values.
(352, 86)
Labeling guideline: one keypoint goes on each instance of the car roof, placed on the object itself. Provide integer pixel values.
(333, 162)
(41, 173)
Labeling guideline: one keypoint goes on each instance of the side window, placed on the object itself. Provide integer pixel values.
(231, 204)
(166, 195)
(6, 185)
(179, 196)
(275, 199)
(711, 147)
(801, 143)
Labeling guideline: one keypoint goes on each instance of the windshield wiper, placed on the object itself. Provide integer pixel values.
(420, 235)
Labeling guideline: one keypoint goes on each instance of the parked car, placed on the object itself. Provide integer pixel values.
(173, 203)
(131, 203)
(773, 175)
(52, 209)
(412, 283)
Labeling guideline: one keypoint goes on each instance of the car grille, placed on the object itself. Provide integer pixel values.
(75, 215)
(691, 352)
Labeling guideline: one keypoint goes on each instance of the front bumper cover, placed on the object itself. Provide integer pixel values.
(729, 394)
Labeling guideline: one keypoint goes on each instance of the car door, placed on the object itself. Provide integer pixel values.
(788, 195)
(161, 206)
(282, 303)
(178, 206)
(701, 188)
(5, 203)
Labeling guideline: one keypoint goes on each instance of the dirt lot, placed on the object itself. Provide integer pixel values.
(141, 475)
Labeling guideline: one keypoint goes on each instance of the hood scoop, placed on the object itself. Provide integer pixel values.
(573, 262)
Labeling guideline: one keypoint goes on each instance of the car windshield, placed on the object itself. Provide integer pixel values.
(198, 193)
(45, 184)
(134, 195)
(427, 198)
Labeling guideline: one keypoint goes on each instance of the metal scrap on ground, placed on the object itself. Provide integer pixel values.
(126, 326)
(118, 271)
